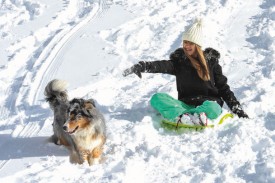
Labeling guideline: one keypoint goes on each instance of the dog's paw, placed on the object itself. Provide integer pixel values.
(58, 142)
(54, 139)
(93, 161)
(75, 159)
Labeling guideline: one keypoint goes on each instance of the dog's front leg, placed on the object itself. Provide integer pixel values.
(95, 156)
(76, 158)
(54, 139)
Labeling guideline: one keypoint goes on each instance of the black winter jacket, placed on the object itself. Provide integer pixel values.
(191, 88)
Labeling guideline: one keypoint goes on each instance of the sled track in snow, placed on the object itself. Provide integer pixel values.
(50, 62)
(25, 88)
(53, 58)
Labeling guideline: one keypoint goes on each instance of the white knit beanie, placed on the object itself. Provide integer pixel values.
(194, 33)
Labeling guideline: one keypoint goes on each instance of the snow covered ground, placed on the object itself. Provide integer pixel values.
(89, 43)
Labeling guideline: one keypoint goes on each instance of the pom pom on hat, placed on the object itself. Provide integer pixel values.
(194, 33)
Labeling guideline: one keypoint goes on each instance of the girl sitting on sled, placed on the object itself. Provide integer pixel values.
(202, 87)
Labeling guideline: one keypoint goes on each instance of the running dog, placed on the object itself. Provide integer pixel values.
(77, 124)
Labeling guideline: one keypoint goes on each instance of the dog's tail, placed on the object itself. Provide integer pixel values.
(56, 90)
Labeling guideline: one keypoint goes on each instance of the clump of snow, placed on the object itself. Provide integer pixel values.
(15, 12)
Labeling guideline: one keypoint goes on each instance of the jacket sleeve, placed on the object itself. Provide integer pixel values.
(224, 89)
(163, 66)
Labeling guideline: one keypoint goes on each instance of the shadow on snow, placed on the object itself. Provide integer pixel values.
(18, 148)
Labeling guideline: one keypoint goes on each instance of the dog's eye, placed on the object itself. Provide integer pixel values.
(74, 117)
(78, 116)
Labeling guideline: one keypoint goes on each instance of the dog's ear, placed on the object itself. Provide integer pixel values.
(88, 108)
(88, 105)
(91, 102)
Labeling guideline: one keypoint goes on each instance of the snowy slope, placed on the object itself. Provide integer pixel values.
(89, 43)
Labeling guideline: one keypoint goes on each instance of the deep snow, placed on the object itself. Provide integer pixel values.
(89, 43)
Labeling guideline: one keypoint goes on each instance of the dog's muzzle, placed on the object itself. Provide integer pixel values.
(66, 129)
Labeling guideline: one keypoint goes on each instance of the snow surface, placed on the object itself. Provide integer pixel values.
(89, 43)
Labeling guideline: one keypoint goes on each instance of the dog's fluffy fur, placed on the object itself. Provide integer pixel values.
(77, 124)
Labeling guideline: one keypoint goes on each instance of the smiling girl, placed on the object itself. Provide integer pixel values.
(202, 87)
